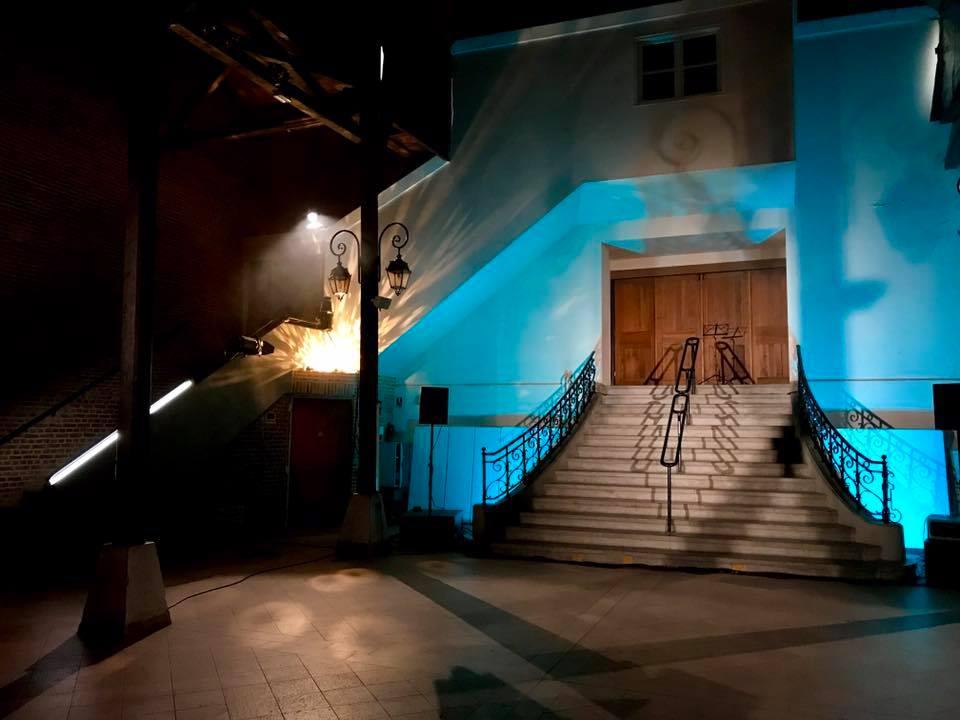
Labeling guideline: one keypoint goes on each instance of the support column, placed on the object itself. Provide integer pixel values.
(127, 600)
(364, 526)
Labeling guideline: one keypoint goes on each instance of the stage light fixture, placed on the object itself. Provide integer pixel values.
(246, 345)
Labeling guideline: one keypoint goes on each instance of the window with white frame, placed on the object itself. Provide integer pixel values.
(677, 67)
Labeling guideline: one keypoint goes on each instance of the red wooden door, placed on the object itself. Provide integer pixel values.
(321, 459)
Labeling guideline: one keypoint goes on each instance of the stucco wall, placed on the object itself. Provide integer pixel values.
(877, 214)
(534, 121)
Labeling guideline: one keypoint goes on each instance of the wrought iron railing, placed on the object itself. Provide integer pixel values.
(508, 468)
(862, 480)
(685, 385)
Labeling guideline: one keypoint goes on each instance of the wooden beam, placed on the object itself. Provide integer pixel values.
(769, 264)
(181, 141)
(189, 106)
(281, 89)
(185, 140)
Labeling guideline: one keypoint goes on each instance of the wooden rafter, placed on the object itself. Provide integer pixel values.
(184, 140)
(188, 106)
(314, 107)
(291, 82)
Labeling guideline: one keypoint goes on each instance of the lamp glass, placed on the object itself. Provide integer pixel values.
(398, 274)
(339, 281)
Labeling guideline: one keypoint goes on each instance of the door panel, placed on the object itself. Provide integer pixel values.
(768, 297)
(653, 316)
(678, 316)
(321, 462)
(633, 330)
(726, 299)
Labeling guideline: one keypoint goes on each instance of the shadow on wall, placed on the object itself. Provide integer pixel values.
(877, 215)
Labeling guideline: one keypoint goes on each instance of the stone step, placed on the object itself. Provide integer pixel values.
(768, 420)
(645, 493)
(698, 398)
(705, 431)
(589, 440)
(616, 407)
(689, 453)
(688, 467)
(831, 532)
(659, 540)
(682, 480)
(698, 511)
(731, 391)
(713, 561)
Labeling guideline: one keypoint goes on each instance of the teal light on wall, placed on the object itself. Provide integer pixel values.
(919, 477)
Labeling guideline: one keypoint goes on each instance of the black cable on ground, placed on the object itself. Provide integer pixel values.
(247, 577)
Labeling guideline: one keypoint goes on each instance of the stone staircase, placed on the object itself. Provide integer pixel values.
(743, 499)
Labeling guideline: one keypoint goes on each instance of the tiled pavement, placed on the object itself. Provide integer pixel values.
(421, 637)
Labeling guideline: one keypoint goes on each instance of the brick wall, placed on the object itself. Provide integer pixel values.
(62, 191)
(253, 469)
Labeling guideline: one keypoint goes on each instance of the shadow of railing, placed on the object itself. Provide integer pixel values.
(915, 468)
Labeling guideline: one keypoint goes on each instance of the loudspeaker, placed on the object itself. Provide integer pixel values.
(946, 406)
(941, 551)
(433, 405)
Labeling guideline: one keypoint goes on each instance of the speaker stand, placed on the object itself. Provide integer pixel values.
(430, 475)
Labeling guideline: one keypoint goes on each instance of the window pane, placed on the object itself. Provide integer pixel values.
(657, 56)
(658, 86)
(697, 81)
(700, 50)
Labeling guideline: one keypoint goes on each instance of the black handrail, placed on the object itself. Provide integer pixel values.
(82, 391)
(514, 463)
(685, 385)
(58, 406)
(687, 370)
(852, 473)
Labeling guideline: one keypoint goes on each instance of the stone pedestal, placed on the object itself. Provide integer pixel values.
(364, 530)
(127, 600)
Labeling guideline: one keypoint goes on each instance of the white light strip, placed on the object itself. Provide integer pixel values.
(110, 439)
(85, 458)
(171, 396)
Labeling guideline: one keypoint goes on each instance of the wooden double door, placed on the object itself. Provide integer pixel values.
(653, 316)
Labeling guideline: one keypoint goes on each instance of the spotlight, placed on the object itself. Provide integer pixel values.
(313, 221)
(381, 303)
(325, 314)
(246, 345)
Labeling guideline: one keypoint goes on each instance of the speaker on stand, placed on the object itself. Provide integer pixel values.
(435, 529)
(433, 411)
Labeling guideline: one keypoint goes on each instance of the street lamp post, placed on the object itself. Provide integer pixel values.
(398, 271)
(364, 526)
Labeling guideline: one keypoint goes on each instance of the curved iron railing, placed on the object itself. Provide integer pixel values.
(685, 384)
(863, 480)
(506, 469)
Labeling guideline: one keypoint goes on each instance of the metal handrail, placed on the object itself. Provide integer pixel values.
(685, 385)
(85, 389)
(852, 473)
(513, 464)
